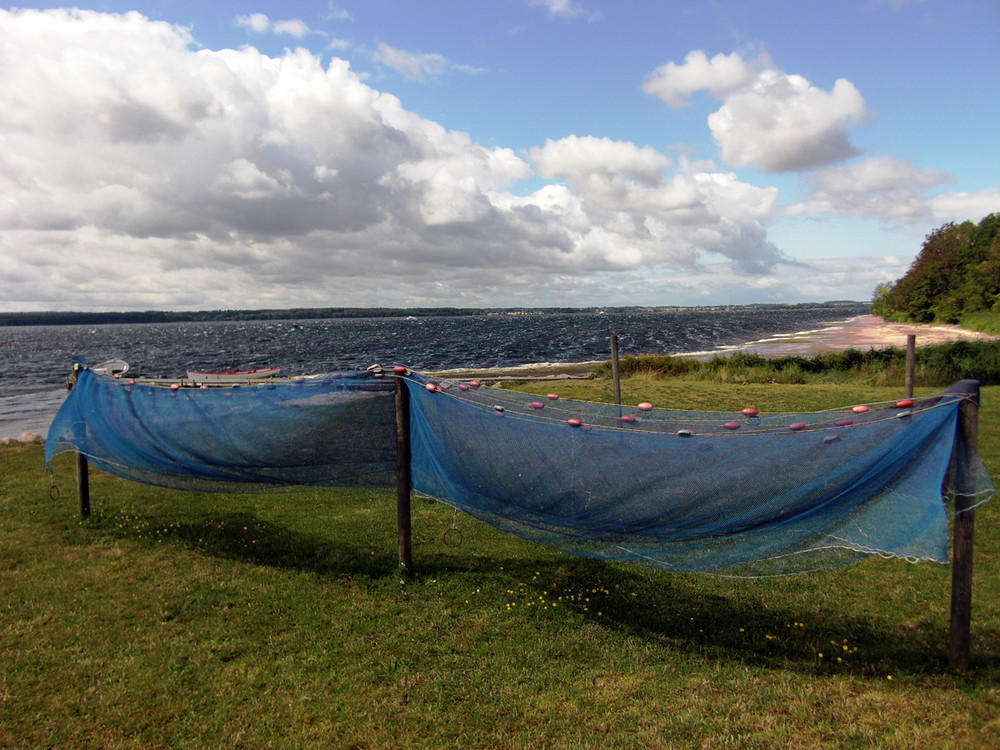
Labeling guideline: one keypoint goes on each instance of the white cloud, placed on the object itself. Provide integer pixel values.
(962, 206)
(336, 13)
(292, 27)
(782, 123)
(883, 188)
(417, 66)
(259, 23)
(768, 119)
(580, 159)
(566, 9)
(256, 22)
(722, 74)
(139, 172)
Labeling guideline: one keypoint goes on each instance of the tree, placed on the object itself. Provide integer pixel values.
(883, 301)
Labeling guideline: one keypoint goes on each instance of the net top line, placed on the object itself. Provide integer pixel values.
(658, 420)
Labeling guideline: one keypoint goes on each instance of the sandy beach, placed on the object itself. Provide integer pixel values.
(864, 332)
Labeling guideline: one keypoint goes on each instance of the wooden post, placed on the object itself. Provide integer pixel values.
(615, 376)
(82, 467)
(403, 478)
(83, 484)
(961, 556)
(911, 363)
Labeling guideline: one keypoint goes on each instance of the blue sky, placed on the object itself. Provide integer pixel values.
(191, 155)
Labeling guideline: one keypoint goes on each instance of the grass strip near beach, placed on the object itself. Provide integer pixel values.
(174, 619)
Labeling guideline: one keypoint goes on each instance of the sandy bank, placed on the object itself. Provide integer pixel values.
(864, 332)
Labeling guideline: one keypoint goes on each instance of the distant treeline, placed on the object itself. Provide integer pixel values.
(954, 279)
(318, 313)
(161, 316)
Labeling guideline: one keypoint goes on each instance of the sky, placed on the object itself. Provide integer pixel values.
(175, 155)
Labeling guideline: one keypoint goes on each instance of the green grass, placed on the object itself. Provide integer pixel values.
(175, 619)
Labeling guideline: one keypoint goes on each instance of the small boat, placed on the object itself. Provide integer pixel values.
(113, 368)
(233, 376)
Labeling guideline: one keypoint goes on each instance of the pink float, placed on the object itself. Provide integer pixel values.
(906, 402)
(463, 387)
(627, 418)
(732, 425)
(536, 405)
(860, 409)
(573, 422)
(796, 426)
(430, 387)
(645, 406)
(399, 369)
(553, 396)
(749, 412)
(844, 422)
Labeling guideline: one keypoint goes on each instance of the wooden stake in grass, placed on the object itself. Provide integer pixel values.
(403, 478)
(82, 468)
(961, 562)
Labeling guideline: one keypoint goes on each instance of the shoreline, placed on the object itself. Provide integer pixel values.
(862, 332)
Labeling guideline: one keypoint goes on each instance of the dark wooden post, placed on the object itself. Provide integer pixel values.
(961, 555)
(83, 484)
(82, 467)
(615, 376)
(403, 479)
(911, 363)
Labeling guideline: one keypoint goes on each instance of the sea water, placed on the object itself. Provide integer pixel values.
(35, 361)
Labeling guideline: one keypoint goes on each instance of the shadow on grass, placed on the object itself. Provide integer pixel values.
(769, 624)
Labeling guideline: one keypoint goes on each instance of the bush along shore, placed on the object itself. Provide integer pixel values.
(936, 365)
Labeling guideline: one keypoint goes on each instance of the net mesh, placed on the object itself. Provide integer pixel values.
(334, 430)
(728, 494)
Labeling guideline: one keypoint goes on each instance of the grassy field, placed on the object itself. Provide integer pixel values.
(176, 619)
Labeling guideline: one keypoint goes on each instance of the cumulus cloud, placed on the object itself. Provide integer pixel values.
(722, 74)
(137, 171)
(768, 119)
(882, 188)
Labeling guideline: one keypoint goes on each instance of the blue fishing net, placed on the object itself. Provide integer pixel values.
(334, 430)
(729, 494)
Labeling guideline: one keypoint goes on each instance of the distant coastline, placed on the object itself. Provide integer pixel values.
(53, 318)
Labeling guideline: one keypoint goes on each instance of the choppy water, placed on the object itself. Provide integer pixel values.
(35, 360)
